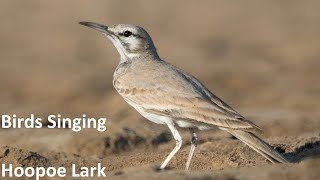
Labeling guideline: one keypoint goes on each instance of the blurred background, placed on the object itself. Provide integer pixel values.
(261, 57)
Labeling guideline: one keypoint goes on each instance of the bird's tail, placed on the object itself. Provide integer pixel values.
(258, 145)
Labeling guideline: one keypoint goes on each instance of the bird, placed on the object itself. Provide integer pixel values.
(167, 95)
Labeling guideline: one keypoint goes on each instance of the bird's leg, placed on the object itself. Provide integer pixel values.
(178, 139)
(194, 143)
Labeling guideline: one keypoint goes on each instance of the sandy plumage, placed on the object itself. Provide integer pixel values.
(165, 94)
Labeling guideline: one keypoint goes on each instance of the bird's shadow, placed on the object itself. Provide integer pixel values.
(308, 150)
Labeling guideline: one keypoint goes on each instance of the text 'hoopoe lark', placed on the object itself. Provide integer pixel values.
(165, 94)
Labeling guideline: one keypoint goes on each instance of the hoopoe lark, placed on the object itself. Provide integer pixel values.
(165, 94)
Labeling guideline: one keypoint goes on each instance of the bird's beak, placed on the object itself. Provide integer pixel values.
(96, 26)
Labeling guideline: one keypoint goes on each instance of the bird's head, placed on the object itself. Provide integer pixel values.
(131, 41)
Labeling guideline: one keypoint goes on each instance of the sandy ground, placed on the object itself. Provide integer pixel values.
(262, 58)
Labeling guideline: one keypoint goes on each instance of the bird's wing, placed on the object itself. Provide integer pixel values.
(214, 99)
(173, 93)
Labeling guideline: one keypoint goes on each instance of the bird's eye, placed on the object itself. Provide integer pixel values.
(127, 33)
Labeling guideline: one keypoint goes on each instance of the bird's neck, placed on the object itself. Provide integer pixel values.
(150, 55)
